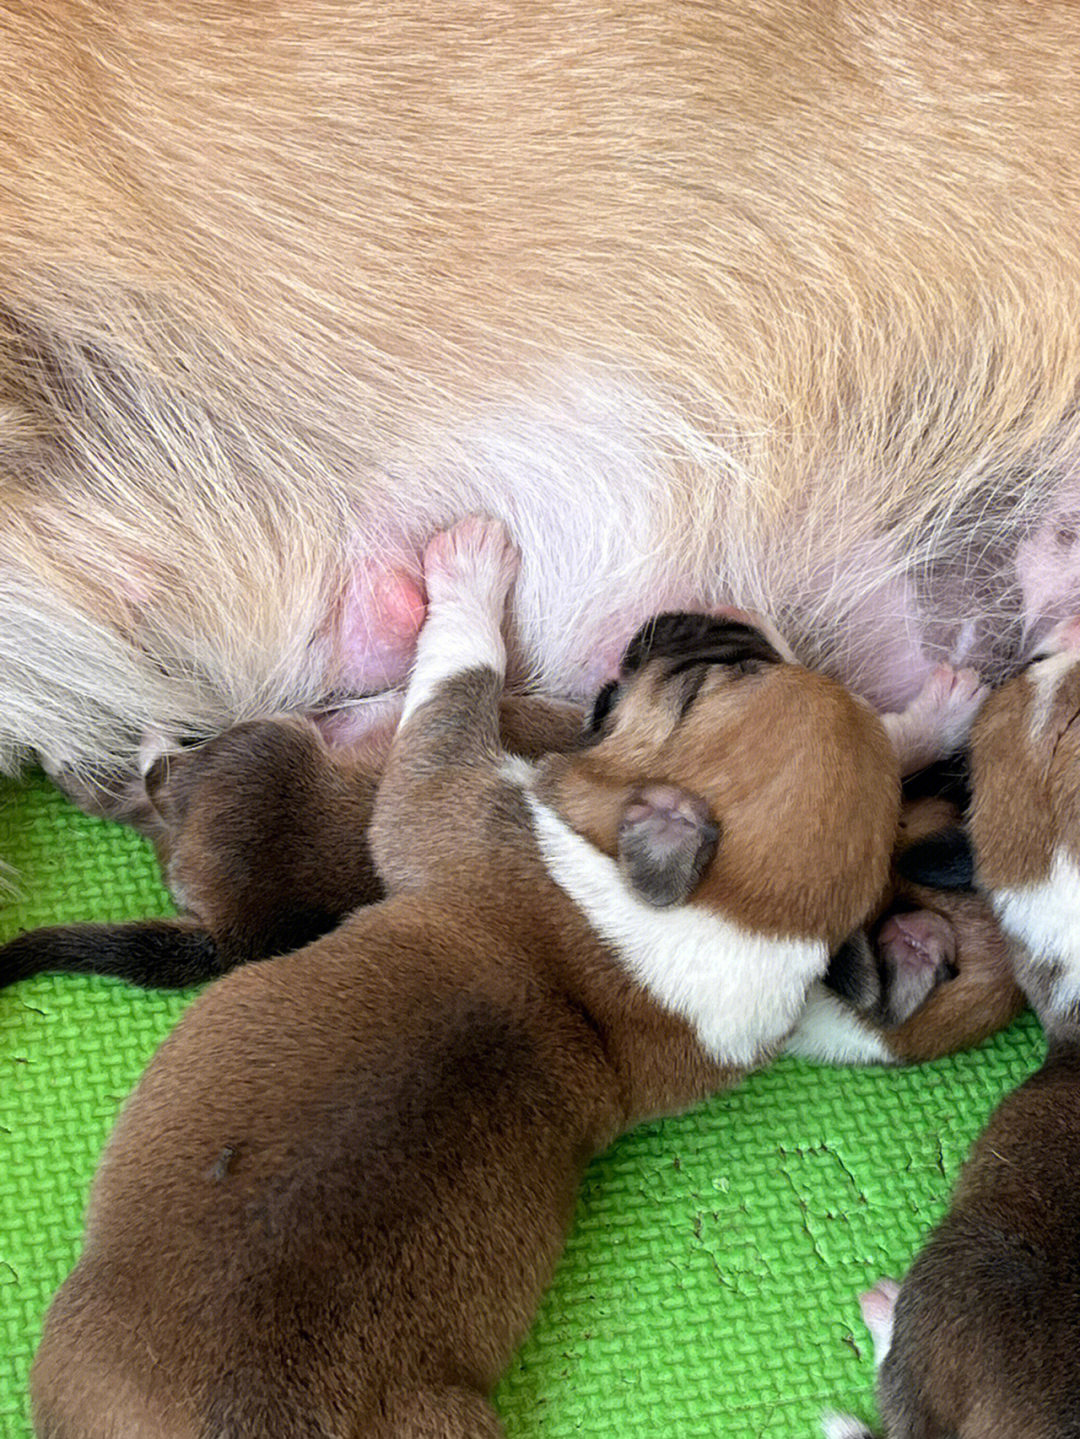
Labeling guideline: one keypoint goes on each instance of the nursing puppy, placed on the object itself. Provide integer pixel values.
(337, 1193)
(770, 302)
(930, 974)
(981, 1339)
(263, 837)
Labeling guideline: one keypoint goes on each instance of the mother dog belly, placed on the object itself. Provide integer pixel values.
(775, 305)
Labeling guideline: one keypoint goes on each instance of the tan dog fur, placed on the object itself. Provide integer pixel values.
(778, 303)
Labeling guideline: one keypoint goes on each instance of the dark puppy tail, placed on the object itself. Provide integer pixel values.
(152, 953)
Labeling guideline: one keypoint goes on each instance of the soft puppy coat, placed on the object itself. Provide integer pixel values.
(981, 1339)
(337, 1193)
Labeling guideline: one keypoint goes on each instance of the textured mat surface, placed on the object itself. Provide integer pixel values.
(709, 1286)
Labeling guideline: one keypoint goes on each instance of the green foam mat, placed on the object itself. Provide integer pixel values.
(710, 1282)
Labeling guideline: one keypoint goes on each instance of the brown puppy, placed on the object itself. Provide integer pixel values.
(929, 975)
(262, 835)
(334, 1198)
(776, 302)
(981, 1340)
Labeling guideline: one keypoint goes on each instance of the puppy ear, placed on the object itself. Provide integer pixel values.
(941, 861)
(666, 839)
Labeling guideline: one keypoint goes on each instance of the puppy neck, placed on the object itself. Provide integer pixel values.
(739, 991)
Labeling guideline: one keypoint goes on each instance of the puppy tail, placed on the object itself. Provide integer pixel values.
(152, 953)
(844, 1426)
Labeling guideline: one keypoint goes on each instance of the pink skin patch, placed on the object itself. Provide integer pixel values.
(918, 940)
(877, 1306)
(1063, 638)
(377, 620)
(367, 727)
(1048, 568)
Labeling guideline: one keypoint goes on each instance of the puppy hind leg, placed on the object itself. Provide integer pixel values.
(451, 1413)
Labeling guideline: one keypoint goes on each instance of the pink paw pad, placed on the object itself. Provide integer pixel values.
(946, 706)
(378, 619)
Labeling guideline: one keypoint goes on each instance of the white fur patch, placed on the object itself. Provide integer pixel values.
(459, 635)
(1044, 679)
(740, 991)
(516, 770)
(829, 1032)
(1045, 918)
(844, 1426)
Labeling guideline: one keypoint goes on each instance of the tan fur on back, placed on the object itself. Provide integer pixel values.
(286, 284)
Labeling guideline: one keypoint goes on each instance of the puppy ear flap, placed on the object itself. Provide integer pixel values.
(941, 861)
(666, 839)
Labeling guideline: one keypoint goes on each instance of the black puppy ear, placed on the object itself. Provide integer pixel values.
(666, 839)
(152, 953)
(941, 861)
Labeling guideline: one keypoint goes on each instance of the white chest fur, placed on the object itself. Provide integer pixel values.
(740, 991)
(1045, 918)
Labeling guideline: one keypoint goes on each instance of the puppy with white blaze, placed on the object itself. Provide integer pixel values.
(774, 303)
(335, 1198)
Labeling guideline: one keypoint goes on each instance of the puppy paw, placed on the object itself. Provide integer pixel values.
(877, 1306)
(938, 720)
(844, 1426)
(475, 557)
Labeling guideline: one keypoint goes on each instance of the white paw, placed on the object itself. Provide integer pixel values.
(877, 1306)
(938, 720)
(475, 557)
(844, 1426)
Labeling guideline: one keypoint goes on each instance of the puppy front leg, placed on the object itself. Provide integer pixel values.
(446, 752)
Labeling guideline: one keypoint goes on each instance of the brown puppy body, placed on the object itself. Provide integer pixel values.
(332, 1202)
(775, 302)
(263, 837)
(981, 1340)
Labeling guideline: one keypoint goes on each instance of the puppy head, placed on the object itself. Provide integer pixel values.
(720, 771)
(1025, 767)
(246, 816)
